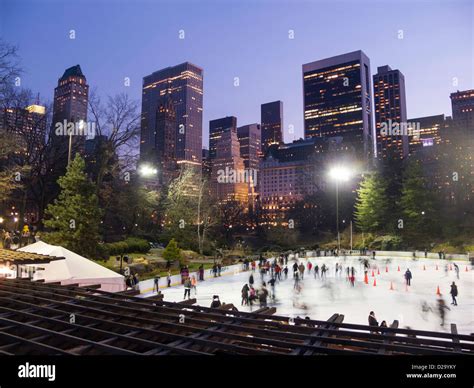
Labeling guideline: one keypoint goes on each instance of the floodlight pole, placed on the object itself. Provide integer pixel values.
(337, 215)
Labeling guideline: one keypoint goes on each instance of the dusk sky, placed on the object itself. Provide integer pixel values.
(245, 39)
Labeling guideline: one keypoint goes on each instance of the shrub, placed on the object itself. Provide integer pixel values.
(130, 245)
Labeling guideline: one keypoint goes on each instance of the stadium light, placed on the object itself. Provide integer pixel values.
(339, 174)
(147, 170)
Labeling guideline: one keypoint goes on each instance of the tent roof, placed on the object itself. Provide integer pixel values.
(26, 257)
(78, 266)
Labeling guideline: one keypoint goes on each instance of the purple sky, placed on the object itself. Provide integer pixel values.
(245, 39)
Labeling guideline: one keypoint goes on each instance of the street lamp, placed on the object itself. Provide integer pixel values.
(338, 174)
(146, 170)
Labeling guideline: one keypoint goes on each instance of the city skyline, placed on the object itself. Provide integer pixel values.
(255, 80)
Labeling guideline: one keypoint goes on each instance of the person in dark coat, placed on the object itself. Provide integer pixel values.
(372, 319)
(245, 294)
(454, 293)
(408, 277)
(215, 302)
(251, 281)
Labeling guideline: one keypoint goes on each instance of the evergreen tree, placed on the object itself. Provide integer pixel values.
(74, 217)
(417, 204)
(172, 252)
(372, 204)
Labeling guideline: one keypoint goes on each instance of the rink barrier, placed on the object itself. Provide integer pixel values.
(146, 286)
(397, 254)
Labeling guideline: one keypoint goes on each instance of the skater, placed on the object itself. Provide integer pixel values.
(187, 288)
(262, 296)
(285, 271)
(219, 269)
(352, 278)
(214, 270)
(456, 268)
(301, 269)
(201, 272)
(168, 279)
(245, 294)
(251, 281)
(278, 272)
(295, 269)
(216, 303)
(316, 271)
(454, 293)
(297, 280)
(155, 284)
(323, 271)
(252, 295)
(272, 285)
(337, 268)
(194, 284)
(441, 310)
(408, 277)
(310, 265)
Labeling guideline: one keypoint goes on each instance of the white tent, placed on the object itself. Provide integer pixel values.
(74, 269)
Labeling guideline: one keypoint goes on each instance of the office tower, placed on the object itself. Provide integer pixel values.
(271, 117)
(216, 128)
(337, 100)
(70, 107)
(462, 103)
(183, 85)
(249, 138)
(229, 180)
(426, 131)
(26, 127)
(390, 113)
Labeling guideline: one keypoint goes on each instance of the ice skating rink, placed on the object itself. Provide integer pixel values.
(320, 299)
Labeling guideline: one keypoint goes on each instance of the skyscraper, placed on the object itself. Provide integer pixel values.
(216, 128)
(249, 138)
(229, 178)
(337, 100)
(183, 85)
(70, 106)
(462, 103)
(166, 140)
(271, 116)
(390, 109)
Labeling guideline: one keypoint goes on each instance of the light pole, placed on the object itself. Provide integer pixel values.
(338, 174)
(146, 170)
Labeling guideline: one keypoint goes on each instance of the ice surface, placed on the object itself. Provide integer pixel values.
(320, 299)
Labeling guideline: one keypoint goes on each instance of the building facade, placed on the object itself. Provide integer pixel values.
(462, 103)
(271, 117)
(70, 107)
(229, 180)
(183, 86)
(216, 128)
(337, 97)
(390, 110)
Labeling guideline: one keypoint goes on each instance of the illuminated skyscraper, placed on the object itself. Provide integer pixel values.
(183, 86)
(337, 100)
(272, 124)
(229, 179)
(216, 128)
(462, 103)
(390, 109)
(70, 106)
